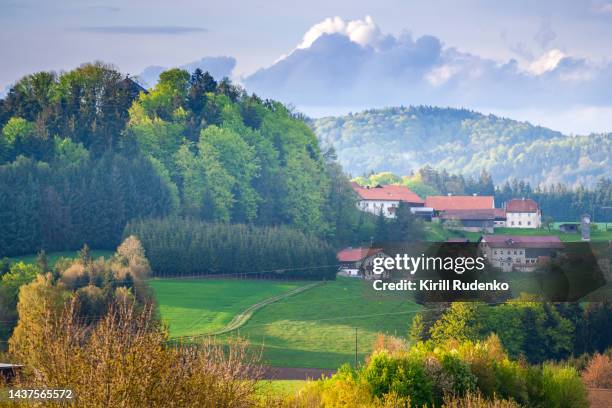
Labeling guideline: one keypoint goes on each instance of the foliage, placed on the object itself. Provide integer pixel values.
(189, 146)
(563, 387)
(188, 247)
(598, 373)
(122, 360)
(525, 326)
(450, 374)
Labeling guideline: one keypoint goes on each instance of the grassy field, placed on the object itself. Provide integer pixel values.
(315, 328)
(281, 387)
(435, 233)
(198, 306)
(54, 256)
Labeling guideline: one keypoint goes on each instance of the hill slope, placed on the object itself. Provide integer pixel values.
(402, 139)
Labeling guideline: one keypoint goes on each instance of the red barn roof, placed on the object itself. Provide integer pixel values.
(522, 241)
(356, 254)
(517, 205)
(444, 203)
(387, 193)
(487, 214)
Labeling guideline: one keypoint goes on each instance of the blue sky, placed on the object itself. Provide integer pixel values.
(547, 61)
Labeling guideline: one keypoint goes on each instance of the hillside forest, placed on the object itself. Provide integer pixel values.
(85, 151)
(403, 139)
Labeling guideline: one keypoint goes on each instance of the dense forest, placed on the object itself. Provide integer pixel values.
(558, 201)
(86, 151)
(179, 247)
(403, 139)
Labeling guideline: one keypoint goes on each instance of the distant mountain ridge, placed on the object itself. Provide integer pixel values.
(403, 139)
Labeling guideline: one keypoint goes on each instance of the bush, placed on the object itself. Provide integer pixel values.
(123, 360)
(477, 401)
(403, 375)
(598, 374)
(563, 387)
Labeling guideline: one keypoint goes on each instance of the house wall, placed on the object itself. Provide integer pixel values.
(510, 259)
(374, 206)
(523, 220)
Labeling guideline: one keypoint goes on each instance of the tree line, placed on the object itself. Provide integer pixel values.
(188, 247)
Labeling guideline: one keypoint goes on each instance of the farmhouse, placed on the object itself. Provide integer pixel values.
(470, 220)
(385, 198)
(500, 218)
(517, 252)
(358, 262)
(523, 213)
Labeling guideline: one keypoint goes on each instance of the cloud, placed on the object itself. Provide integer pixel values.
(143, 30)
(218, 67)
(605, 8)
(353, 63)
(363, 32)
(546, 63)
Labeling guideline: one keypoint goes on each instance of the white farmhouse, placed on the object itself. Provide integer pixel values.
(518, 253)
(523, 213)
(385, 198)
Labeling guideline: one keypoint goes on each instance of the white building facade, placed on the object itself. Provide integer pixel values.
(523, 213)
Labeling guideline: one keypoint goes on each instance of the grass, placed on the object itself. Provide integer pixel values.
(54, 256)
(317, 328)
(314, 328)
(199, 306)
(280, 387)
(436, 233)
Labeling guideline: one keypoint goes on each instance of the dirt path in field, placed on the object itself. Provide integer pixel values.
(291, 373)
(600, 398)
(241, 318)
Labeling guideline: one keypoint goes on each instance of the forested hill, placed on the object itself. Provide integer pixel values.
(84, 152)
(401, 140)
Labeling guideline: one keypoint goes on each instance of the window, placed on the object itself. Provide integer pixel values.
(519, 223)
(514, 252)
(528, 222)
(512, 222)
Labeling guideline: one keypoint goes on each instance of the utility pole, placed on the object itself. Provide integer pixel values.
(355, 348)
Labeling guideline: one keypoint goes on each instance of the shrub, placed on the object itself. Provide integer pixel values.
(477, 401)
(403, 375)
(598, 373)
(123, 360)
(563, 388)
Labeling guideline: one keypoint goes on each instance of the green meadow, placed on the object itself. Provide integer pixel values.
(316, 328)
(199, 306)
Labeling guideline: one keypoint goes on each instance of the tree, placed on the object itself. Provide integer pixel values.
(548, 222)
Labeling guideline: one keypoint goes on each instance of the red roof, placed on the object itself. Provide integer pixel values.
(517, 205)
(356, 254)
(500, 213)
(522, 241)
(387, 193)
(443, 203)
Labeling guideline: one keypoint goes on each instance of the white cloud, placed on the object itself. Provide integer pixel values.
(352, 63)
(363, 32)
(440, 75)
(546, 62)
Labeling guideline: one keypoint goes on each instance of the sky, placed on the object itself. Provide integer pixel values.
(549, 62)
